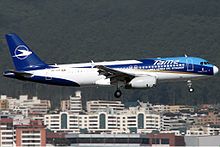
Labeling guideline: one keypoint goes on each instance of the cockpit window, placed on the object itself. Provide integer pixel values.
(204, 63)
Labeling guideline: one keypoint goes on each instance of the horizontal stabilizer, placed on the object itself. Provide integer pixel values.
(17, 74)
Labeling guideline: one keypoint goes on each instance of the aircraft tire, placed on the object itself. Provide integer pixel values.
(191, 90)
(118, 93)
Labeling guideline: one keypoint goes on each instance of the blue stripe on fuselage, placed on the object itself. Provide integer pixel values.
(54, 81)
(176, 64)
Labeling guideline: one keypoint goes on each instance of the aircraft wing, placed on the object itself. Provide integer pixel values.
(114, 75)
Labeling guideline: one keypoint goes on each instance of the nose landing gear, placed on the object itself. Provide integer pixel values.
(190, 88)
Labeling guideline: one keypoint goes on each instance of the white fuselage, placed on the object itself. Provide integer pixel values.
(86, 74)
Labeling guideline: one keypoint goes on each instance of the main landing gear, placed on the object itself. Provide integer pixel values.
(189, 84)
(118, 93)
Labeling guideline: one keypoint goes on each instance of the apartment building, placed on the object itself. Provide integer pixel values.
(198, 130)
(16, 130)
(127, 121)
(172, 108)
(6, 132)
(33, 107)
(171, 121)
(65, 105)
(62, 122)
(76, 102)
(100, 105)
(41, 107)
(124, 140)
(209, 118)
(33, 134)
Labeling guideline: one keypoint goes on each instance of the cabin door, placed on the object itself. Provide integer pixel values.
(189, 65)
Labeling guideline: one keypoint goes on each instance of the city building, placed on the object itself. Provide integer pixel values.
(4, 104)
(206, 140)
(41, 107)
(171, 121)
(62, 122)
(198, 130)
(16, 130)
(57, 139)
(172, 108)
(32, 134)
(34, 107)
(164, 139)
(76, 102)
(104, 122)
(101, 105)
(13, 103)
(6, 132)
(209, 118)
(140, 119)
(132, 120)
(65, 105)
(124, 140)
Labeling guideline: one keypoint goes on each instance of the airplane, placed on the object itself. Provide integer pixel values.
(129, 74)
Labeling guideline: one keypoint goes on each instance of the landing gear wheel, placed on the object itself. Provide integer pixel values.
(191, 90)
(118, 93)
(189, 84)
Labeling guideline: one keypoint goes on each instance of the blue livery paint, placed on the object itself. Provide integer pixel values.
(23, 57)
(185, 64)
(54, 81)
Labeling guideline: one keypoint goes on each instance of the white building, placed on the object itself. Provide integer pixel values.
(203, 130)
(76, 102)
(100, 105)
(142, 119)
(28, 106)
(6, 132)
(20, 131)
(135, 119)
(172, 122)
(64, 122)
(65, 105)
(172, 108)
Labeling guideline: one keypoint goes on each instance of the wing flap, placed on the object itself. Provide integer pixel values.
(113, 74)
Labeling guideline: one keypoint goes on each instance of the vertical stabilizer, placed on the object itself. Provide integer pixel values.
(22, 55)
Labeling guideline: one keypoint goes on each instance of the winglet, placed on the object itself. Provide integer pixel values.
(92, 63)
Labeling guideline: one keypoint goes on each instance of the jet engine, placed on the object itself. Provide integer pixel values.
(142, 82)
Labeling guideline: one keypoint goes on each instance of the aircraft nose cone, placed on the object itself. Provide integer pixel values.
(215, 70)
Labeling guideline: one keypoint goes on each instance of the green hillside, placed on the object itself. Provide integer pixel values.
(71, 31)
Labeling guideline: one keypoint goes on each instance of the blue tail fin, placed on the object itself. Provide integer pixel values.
(23, 57)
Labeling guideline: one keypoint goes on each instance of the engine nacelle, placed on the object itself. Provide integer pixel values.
(103, 82)
(142, 82)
